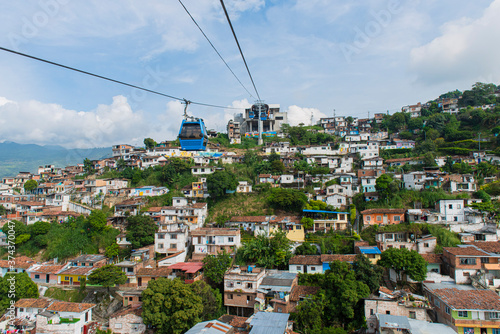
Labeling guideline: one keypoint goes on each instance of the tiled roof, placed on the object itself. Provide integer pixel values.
(338, 257)
(131, 309)
(383, 210)
(23, 262)
(188, 267)
(302, 291)
(215, 231)
(465, 251)
(248, 219)
(154, 209)
(46, 268)
(76, 271)
(58, 306)
(33, 302)
(469, 299)
(432, 258)
(306, 259)
(154, 272)
(488, 246)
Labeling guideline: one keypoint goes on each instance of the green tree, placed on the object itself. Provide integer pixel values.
(107, 276)
(149, 143)
(215, 266)
(211, 300)
(287, 199)
(97, 220)
(307, 222)
(404, 261)
(170, 306)
(30, 185)
(382, 185)
(269, 252)
(112, 250)
(3, 210)
(368, 273)
(21, 283)
(310, 313)
(306, 249)
(221, 181)
(88, 166)
(39, 228)
(277, 167)
(141, 231)
(429, 160)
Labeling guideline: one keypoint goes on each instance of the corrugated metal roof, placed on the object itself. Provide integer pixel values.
(269, 323)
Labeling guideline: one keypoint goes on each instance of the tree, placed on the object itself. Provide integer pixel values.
(269, 252)
(368, 273)
(107, 276)
(404, 261)
(23, 286)
(97, 220)
(215, 266)
(307, 222)
(149, 143)
(382, 185)
(39, 228)
(3, 210)
(220, 182)
(306, 249)
(112, 250)
(277, 167)
(30, 185)
(287, 199)
(170, 306)
(88, 166)
(141, 231)
(310, 313)
(211, 300)
(429, 160)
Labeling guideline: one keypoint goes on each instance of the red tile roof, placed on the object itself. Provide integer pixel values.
(469, 299)
(188, 267)
(33, 302)
(58, 306)
(306, 259)
(488, 246)
(154, 272)
(131, 309)
(383, 210)
(299, 291)
(465, 251)
(23, 262)
(248, 219)
(432, 258)
(338, 257)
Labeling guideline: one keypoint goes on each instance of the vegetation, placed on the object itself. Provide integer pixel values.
(214, 268)
(404, 261)
(220, 183)
(267, 252)
(107, 276)
(141, 231)
(15, 286)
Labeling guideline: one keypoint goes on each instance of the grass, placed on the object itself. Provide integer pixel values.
(253, 204)
(73, 295)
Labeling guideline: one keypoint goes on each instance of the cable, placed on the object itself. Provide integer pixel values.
(206, 37)
(112, 80)
(237, 43)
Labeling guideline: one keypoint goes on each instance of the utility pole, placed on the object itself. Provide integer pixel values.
(479, 141)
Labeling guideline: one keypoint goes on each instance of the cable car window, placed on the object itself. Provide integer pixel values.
(191, 131)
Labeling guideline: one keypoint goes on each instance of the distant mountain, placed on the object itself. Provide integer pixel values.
(15, 158)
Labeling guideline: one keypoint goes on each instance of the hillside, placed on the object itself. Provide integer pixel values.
(27, 157)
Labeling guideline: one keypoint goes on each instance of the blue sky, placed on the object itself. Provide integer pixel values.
(306, 55)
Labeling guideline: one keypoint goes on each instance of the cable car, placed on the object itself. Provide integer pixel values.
(193, 135)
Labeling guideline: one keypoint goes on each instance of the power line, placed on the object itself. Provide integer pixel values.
(215, 49)
(237, 43)
(112, 80)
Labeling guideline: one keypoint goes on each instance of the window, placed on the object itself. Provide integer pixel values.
(161, 236)
(379, 218)
(413, 315)
(437, 303)
(130, 270)
(230, 296)
(299, 267)
(495, 331)
(485, 260)
(495, 315)
(21, 309)
(459, 206)
(313, 268)
(447, 309)
(66, 278)
(37, 276)
(249, 285)
(160, 246)
(118, 325)
(173, 246)
(397, 218)
(467, 260)
(279, 310)
(463, 314)
(450, 206)
(249, 298)
(173, 236)
(368, 218)
(298, 227)
(468, 330)
(426, 245)
(230, 239)
(387, 312)
(455, 218)
(371, 311)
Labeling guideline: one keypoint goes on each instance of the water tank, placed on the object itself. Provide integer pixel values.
(250, 268)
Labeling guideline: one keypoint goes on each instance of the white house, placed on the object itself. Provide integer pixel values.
(451, 210)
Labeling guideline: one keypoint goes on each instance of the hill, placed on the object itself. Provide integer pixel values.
(27, 157)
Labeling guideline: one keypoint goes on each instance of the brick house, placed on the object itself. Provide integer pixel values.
(214, 240)
(316, 264)
(128, 320)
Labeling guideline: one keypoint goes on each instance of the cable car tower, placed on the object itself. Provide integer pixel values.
(260, 111)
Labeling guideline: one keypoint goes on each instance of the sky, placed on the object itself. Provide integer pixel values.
(351, 58)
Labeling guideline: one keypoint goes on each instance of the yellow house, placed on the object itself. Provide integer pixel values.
(198, 189)
(291, 225)
(73, 275)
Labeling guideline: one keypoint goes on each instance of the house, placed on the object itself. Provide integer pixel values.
(460, 182)
(465, 309)
(144, 275)
(371, 252)
(211, 241)
(388, 324)
(278, 286)
(383, 216)
(129, 207)
(28, 308)
(148, 191)
(45, 273)
(241, 286)
(79, 268)
(270, 322)
(413, 110)
(368, 183)
(316, 264)
(189, 272)
(328, 220)
(469, 264)
(256, 224)
(399, 303)
(244, 187)
(207, 170)
(290, 224)
(423, 245)
(172, 238)
(18, 264)
(127, 320)
(451, 210)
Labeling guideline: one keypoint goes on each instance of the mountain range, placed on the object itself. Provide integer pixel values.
(15, 157)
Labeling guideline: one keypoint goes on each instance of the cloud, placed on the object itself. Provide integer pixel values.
(297, 115)
(466, 50)
(43, 123)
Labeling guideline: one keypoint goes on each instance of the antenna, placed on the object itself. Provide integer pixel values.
(311, 118)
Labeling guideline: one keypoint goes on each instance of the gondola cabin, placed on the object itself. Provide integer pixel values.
(193, 135)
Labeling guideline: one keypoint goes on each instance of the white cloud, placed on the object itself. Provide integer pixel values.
(466, 50)
(42, 123)
(297, 115)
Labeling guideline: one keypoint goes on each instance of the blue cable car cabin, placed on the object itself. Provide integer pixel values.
(193, 135)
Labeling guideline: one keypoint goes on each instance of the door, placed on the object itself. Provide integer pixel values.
(139, 281)
(71, 281)
(47, 278)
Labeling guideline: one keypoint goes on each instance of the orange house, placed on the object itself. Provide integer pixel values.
(383, 216)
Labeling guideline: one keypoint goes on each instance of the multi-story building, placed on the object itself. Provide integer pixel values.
(249, 121)
(423, 245)
(465, 309)
(414, 110)
(383, 216)
(328, 220)
(468, 264)
(234, 132)
(211, 241)
(451, 210)
(241, 292)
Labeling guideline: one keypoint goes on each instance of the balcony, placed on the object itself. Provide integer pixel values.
(491, 266)
(476, 323)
